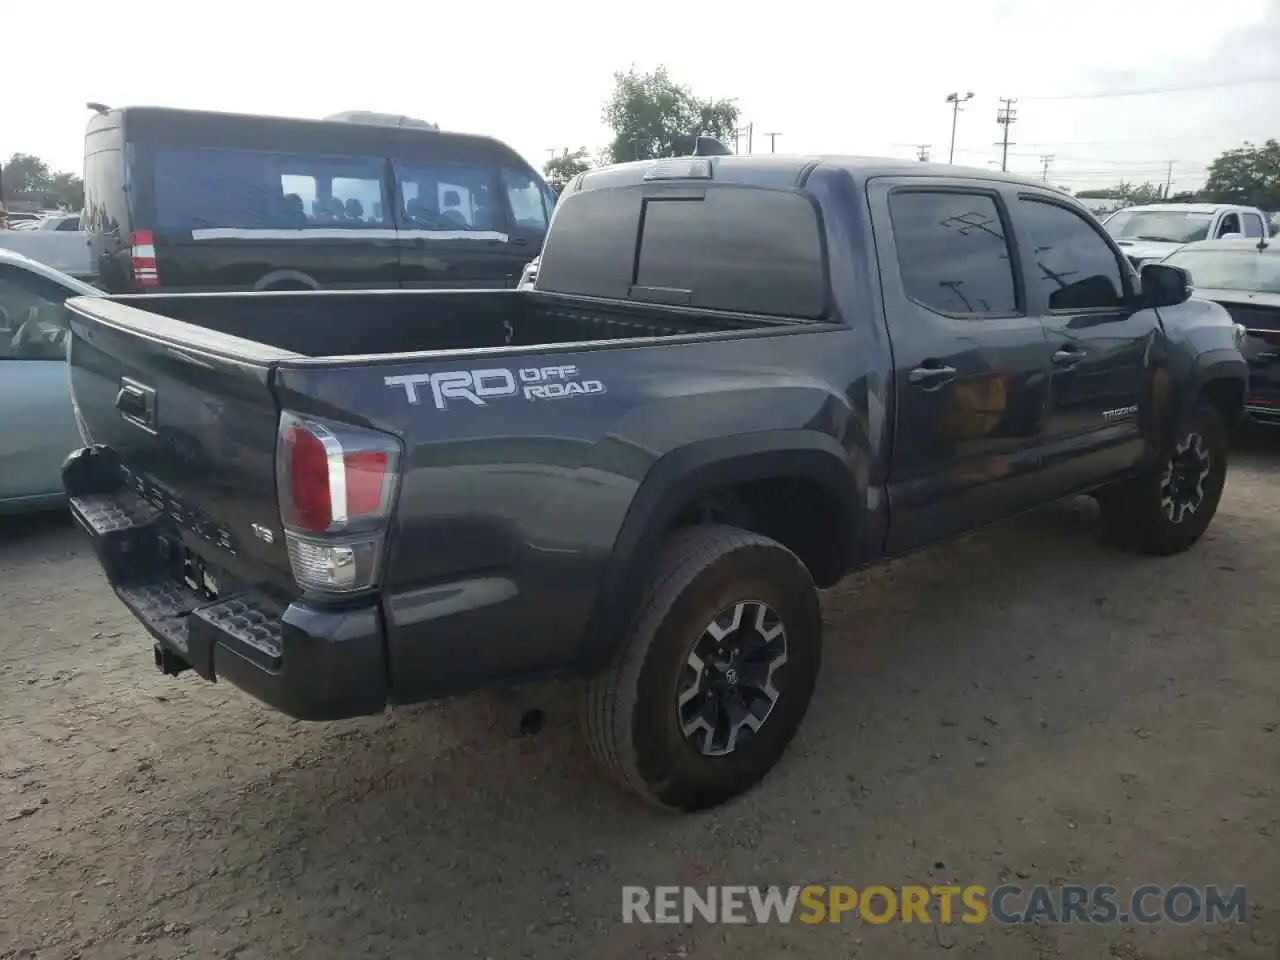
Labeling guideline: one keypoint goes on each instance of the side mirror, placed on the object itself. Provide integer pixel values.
(1164, 286)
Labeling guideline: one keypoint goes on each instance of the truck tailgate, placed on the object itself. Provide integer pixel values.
(190, 416)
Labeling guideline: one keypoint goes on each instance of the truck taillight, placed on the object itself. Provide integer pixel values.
(143, 255)
(336, 485)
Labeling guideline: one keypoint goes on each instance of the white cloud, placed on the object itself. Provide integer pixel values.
(835, 78)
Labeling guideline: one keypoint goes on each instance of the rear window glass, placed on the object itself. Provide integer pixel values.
(245, 190)
(104, 191)
(734, 248)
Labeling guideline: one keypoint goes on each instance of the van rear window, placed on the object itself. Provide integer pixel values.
(732, 248)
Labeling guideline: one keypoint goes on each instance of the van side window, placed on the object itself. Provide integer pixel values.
(528, 201)
(447, 198)
(247, 190)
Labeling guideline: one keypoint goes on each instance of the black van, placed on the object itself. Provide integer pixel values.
(186, 200)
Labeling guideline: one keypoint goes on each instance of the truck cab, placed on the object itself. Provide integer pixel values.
(733, 381)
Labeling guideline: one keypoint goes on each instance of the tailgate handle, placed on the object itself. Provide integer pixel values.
(137, 404)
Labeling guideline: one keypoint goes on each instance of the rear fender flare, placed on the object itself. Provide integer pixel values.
(681, 477)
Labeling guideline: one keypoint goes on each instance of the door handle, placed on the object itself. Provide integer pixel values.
(931, 377)
(136, 403)
(1067, 356)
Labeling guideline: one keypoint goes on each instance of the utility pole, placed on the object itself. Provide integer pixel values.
(922, 153)
(1168, 180)
(773, 136)
(1006, 116)
(1045, 160)
(956, 101)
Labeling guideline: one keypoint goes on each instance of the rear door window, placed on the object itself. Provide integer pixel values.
(215, 193)
(953, 255)
(454, 201)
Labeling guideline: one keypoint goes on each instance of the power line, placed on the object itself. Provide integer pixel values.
(1152, 91)
(1092, 160)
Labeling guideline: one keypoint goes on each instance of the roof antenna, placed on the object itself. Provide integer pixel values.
(101, 109)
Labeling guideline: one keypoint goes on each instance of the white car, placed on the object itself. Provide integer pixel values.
(39, 426)
(1152, 231)
(529, 275)
(56, 241)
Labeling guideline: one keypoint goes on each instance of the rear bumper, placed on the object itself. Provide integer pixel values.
(309, 663)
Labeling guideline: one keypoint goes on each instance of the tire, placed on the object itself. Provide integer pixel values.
(633, 721)
(1152, 513)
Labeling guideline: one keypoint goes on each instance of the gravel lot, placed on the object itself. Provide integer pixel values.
(1022, 705)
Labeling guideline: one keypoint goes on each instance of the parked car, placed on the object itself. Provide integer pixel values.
(59, 222)
(190, 200)
(1244, 276)
(45, 241)
(35, 400)
(1150, 232)
(736, 379)
(529, 276)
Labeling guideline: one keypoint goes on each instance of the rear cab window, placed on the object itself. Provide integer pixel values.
(716, 247)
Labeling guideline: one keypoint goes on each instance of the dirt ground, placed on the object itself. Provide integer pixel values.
(1024, 705)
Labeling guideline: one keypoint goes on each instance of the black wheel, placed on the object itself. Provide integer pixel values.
(715, 674)
(1168, 508)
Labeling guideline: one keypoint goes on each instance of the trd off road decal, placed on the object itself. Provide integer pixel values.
(480, 386)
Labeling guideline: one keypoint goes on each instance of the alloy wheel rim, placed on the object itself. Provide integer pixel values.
(1182, 485)
(726, 690)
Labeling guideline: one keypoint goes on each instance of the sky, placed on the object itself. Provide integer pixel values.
(833, 77)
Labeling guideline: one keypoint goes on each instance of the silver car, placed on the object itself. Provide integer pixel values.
(39, 427)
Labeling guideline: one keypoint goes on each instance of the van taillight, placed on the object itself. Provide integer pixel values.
(143, 255)
(336, 485)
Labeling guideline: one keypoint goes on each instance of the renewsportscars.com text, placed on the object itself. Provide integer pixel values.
(1007, 904)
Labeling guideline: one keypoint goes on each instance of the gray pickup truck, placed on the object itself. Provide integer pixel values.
(735, 380)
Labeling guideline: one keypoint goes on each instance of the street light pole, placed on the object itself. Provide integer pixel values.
(955, 100)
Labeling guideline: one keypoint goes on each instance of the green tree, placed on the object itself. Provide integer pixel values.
(25, 174)
(653, 116)
(1250, 174)
(560, 169)
(65, 188)
(1143, 193)
(27, 177)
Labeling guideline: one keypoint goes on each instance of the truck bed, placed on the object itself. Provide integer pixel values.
(341, 324)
